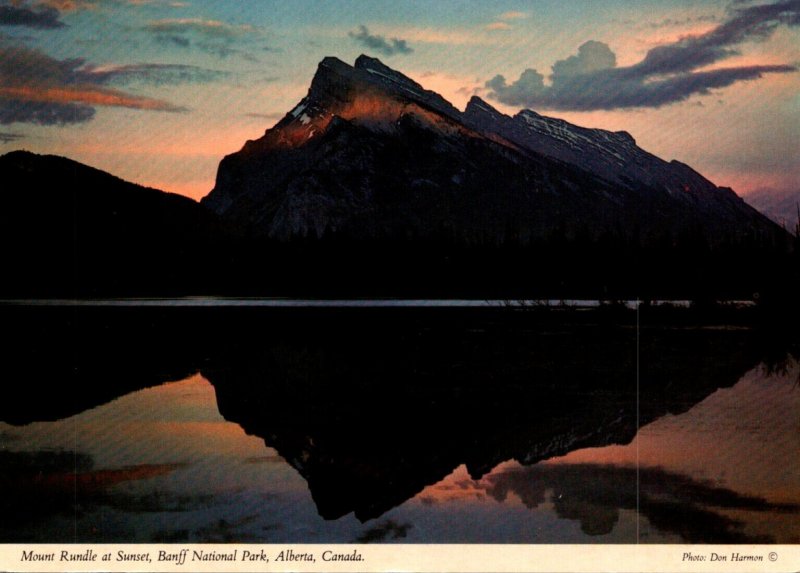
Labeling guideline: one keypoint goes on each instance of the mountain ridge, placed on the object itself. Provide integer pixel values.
(373, 186)
(603, 181)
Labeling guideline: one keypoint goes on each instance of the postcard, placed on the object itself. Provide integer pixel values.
(379, 286)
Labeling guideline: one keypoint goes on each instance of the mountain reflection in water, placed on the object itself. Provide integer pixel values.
(594, 495)
(400, 426)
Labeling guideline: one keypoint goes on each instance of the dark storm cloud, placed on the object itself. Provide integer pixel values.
(44, 17)
(590, 80)
(380, 44)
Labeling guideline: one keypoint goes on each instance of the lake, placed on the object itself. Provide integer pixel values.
(410, 425)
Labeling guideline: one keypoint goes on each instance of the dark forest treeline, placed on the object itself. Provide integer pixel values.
(67, 230)
(164, 262)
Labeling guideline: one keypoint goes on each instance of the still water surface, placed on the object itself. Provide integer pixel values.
(565, 456)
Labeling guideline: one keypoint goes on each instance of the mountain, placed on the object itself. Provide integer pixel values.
(373, 186)
(473, 388)
(370, 154)
(68, 229)
(360, 453)
(615, 157)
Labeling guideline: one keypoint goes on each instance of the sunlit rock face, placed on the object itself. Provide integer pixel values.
(370, 154)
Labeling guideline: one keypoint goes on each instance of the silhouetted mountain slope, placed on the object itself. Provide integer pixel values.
(335, 406)
(66, 228)
(679, 190)
(370, 154)
(374, 186)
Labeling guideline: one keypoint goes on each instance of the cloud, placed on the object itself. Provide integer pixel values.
(276, 115)
(446, 36)
(223, 50)
(208, 28)
(45, 14)
(675, 23)
(529, 87)
(501, 23)
(494, 26)
(77, 5)
(219, 49)
(665, 498)
(43, 17)
(85, 94)
(35, 88)
(592, 56)
(179, 41)
(156, 74)
(512, 15)
(380, 44)
(669, 73)
(69, 5)
(383, 531)
(151, 2)
(211, 36)
(41, 113)
(9, 137)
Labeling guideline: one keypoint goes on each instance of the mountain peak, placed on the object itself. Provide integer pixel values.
(332, 62)
(368, 93)
(367, 62)
(369, 152)
(477, 104)
(388, 78)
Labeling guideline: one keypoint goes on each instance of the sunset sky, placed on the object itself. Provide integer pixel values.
(158, 91)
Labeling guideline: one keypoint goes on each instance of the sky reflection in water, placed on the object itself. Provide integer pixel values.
(162, 465)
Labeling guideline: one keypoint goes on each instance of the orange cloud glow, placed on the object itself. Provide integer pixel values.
(69, 5)
(498, 26)
(513, 15)
(87, 94)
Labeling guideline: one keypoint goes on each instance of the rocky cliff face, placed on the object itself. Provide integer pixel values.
(370, 154)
